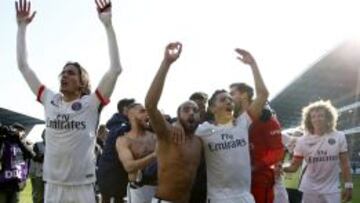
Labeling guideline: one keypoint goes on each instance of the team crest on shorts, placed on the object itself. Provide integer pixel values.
(331, 141)
(76, 106)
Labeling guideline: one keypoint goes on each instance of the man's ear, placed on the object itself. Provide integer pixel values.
(129, 114)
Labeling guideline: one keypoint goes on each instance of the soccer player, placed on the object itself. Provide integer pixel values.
(136, 150)
(226, 142)
(200, 98)
(325, 152)
(266, 147)
(71, 116)
(112, 177)
(177, 163)
(198, 192)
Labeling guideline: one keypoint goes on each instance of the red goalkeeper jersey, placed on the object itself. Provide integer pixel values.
(266, 149)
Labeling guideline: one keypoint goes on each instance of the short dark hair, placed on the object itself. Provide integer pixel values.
(133, 105)
(180, 106)
(124, 103)
(243, 87)
(213, 96)
(198, 95)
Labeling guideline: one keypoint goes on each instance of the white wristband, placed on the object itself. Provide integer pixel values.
(349, 185)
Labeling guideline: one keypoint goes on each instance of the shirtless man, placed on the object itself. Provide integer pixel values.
(136, 150)
(177, 164)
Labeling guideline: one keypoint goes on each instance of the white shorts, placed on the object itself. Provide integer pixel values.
(69, 193)
(245, 197)
(157, 200)
(321, 198)
(280, 193)
(142, 194)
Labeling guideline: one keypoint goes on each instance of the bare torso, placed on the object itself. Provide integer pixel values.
(177, 166)
(140, 147)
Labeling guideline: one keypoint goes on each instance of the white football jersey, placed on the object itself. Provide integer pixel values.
(321, 154)
(70, 137)
(227, 158)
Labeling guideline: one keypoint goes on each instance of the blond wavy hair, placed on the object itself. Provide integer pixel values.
(331, 115)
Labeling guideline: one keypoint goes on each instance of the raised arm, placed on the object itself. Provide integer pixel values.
(107, 83)
(24, 18)
(262, 93)
(127, 159)
(172, 53)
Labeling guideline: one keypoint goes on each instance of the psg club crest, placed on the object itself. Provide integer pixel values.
(76, 106)
(331, 141)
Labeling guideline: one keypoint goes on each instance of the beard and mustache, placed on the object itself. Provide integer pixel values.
(189, 125)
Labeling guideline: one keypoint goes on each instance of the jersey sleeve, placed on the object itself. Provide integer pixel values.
(44, 95)
(342, 143)
(203, 129)
(244, 119)
(102, 99)
(98, 100)
(286, 139)
(299, 149)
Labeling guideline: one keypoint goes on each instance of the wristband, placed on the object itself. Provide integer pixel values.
(349, 185)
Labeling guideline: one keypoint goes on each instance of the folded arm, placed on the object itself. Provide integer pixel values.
(127, 159)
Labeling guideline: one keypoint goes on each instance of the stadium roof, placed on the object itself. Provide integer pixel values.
(334, 77)
(8, 117)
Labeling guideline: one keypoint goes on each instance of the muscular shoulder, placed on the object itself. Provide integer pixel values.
(122, 141)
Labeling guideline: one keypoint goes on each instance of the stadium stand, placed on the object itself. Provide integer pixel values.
(335, 77)
(8, 117)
